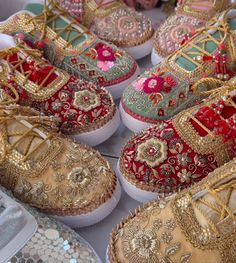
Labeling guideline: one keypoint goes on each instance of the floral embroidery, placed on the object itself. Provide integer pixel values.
(79, 177)
(144, 244)
(152, 152)
(155, 97)
(153, 84)
(105, 65)
(185, 176)
(105, 53)
(86, 100)
(138, 84)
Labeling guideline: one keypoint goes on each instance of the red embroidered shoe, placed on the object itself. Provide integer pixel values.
(176, 153)
(85, 112)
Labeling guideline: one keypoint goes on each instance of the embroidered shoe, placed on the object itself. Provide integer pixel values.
(174, 154)
(196, 225)
(166, 89)
(86, 112)
(66, 180)
(115, 22)
(29, 236)
(178, 28)
(71, 47)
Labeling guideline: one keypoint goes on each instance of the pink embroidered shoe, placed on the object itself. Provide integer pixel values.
(178, 28)
(85, 112)
(174, 154)
(113, 21)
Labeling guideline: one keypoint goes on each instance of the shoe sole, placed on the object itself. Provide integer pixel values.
(118, 89)
(140, 51)
(100, 135)
(95, 216)
(132, 123)
(155, 58)
(134, 192)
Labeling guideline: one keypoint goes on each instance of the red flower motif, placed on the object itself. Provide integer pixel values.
(161, 112)
(172, 103)
(73, 61)
(170, 81)
(106, 54)
(153, 84)
(101, 80)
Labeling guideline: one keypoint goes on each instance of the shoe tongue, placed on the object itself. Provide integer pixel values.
(59, 23)
(208, 208)
(210, 46)
(34, 8)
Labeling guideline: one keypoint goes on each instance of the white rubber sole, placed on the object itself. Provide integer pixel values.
(155, 58)
(131, 123)
(95, 216)
(134, 192)
(117, 90)
(140, 51)
(100, 135)
(107, 259)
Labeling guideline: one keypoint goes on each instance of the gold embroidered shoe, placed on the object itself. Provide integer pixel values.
(70, 46)
(178, 28)
(67, 180)
(196, 225)
(87, 113)
(174, 154)
(166, 89)
(29, 236)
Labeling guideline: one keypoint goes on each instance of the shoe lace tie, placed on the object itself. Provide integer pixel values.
(51, 12)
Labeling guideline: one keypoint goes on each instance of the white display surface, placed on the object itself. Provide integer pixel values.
(98, 235)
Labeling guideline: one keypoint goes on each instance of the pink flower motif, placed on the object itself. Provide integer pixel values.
(153, 84)
(105, 65)
(138, 85)
(105, 54)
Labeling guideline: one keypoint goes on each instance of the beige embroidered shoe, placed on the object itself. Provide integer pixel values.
(178, 28)
(195, 226)
(67, 180)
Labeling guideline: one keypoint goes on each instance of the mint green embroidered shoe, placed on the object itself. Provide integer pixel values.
(166, 89)
(70, 46)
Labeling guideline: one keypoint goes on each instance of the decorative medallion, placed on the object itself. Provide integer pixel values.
(152, 152)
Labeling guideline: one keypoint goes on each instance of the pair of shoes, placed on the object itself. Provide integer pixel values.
(189, 17)
(67, 180)
(29, 236)
(196, 225)
(70, 46)
(114, 22)
(165, 90)
(176, 153)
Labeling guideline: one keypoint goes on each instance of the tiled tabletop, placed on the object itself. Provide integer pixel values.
(98, 235)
